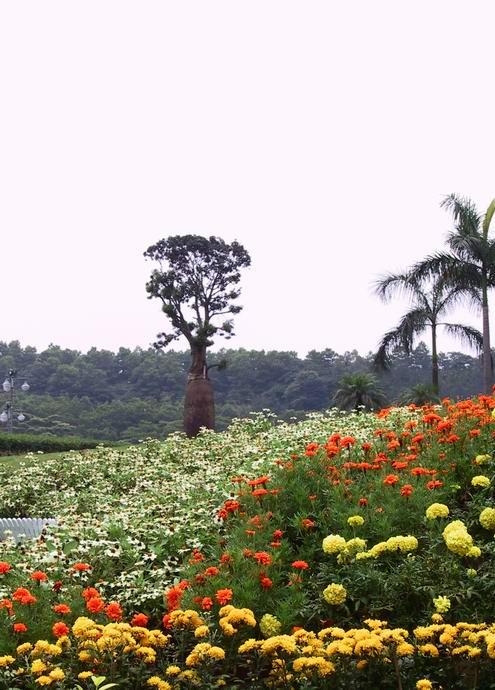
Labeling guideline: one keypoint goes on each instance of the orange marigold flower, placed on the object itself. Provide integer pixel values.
(23, 596)
(260, 492)
(307, 523)
(391, 479)
(211, 571)
(277, 534)
(474, 432)
(265, 582)
(225, 558)
(90, 592)
(206, 603)
(113, 611)
(406, 490)
(261, 480)
(223, 596)
(61, 609)
(300, 565)
(140, 619)
(262, 557)
(19, 627)
(6, 604)
(434, 484)
(81, 567)
(95, 604)
(4, 567)
(59, 628)
(39, 576)
(363, 502)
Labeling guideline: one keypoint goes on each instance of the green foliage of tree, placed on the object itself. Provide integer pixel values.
(429, 305)
(359, 391)
(468, 265)
(197, 282)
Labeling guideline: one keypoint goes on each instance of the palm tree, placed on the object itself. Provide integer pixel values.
(420, 394)
(429, 306)
(357, 391)
(469, 266)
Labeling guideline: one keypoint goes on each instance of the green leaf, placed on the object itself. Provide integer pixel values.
(488, 218)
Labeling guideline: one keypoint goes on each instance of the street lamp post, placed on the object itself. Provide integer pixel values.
(9, 411)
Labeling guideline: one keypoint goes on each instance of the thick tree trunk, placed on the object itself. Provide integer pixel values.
(199, 405)
(487, 355)
(434, 359)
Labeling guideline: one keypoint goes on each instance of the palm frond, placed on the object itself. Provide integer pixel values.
(464, 212)
(411, 325)
(466, 334)
(395, 283)
(470, 248)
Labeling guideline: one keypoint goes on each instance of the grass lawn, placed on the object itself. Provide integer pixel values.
(14, 461)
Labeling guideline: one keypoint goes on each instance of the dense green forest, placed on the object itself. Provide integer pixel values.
(132, 394)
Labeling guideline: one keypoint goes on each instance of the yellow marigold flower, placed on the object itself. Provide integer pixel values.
(355, 521)
(335, 594)
(361, 664)
(38, 666)
(157, 682)
(429, 649)
(482, 459)
(405, 649)
(57, 674)
(6, 660)
(487, 518)
(190, 676)
(424, 684)
(474, 552)
(374, 623)
(436, 618)
(24, 648)
(442, 604)
(85, 656)
(84, 674)
(480, 480)
(270, 625)
(216, 653)
(307, 665)
(471, 572)
(201, 631)
(284, 643)
(423, 633)
(249, 646)
(172, 670)
(334, 543)
(437, 510)
(44, 680)
(457, 538)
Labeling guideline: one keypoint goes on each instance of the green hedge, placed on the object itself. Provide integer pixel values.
(14, 444)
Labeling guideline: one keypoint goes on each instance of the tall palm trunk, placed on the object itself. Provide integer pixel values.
(199, 405)
(434, 359)
(487, 355)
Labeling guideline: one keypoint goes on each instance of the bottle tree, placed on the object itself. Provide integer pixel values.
(196, 281)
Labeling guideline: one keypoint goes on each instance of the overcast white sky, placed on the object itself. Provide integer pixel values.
(321, 135)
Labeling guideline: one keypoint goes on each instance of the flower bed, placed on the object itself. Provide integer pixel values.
(345, 551)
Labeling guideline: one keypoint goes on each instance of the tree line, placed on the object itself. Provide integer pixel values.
(131, 394)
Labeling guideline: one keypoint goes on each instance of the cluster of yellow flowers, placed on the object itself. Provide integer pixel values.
(480, 480)
(437, 510)
(399, 543)
(458, 539)
(482, 459)
(345, 550)
(231, 618)
(462, 639)
(270, 625)
(487, 518)
(187, 620)
(335, 594)
(355, 521)
(442, 604)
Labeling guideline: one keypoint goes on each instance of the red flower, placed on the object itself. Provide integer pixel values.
(307, 523)
(223, 596)
(278, 534)
(6, 604)
(59, 628)
(24, 596)
(434, 484)
(265, 582)
(81, 567)
(260, 492)
(19, 627)
(225, 558)
(261, 480)
(262, 557)
(140, 619)
(391, 479)
(113, 611)
(90, 593)
(363, 502)
(57, 585)
(406, 490)
(300, 565)
(95, 604)
(206, 603)
(61, 608)
(211, 571)
(4, 567)
(39, 576)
